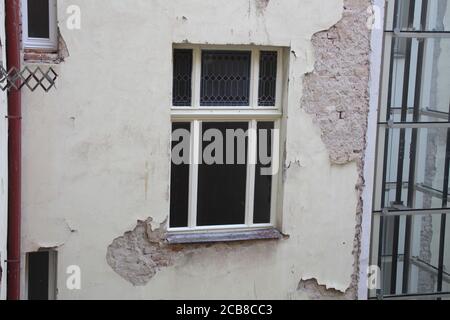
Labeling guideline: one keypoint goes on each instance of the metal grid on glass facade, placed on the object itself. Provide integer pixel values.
(410, 238)
(225, 78)
(182, 77)
(267, 78)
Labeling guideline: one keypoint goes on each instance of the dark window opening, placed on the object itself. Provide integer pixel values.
(42, 275)
(263, 180)
(222, 187)
(179, 184)
(38, 19)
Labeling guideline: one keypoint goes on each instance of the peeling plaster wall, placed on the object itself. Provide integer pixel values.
(311, 290)
(96, 156)
(336, 93)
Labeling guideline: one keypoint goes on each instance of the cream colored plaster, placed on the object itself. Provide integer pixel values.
(96, 152)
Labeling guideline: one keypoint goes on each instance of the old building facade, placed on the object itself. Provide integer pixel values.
(106, 214)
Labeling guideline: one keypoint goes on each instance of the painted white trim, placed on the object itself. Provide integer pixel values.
(196, 78)
(254, 79)
(196, 129)
(50, 43)
(251, 169)
(208, 114)
(233, 227)
(276, 182)
(371, 138)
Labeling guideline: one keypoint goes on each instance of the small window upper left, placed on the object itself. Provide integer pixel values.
(39, 25)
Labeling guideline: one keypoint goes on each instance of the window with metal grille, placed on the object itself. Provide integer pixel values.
(411, 235)
(233, 100)
(182, 77)
(225, 78)
(39, 24)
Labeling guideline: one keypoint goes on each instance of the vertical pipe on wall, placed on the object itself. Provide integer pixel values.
(13, 34)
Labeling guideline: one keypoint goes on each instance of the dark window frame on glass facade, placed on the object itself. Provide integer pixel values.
(230, 87)
(410, 227)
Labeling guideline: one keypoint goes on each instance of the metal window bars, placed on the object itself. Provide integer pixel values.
(410, 241)
(27, 77)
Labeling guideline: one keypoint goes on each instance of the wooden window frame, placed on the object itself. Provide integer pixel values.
(196, 114)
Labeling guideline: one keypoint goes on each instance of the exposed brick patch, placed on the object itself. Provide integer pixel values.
(336, 92)
(139, 254)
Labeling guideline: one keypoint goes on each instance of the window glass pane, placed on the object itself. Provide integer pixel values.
(182, 77)
(420, 80)
(420, 15)
(222, 187)
(411, 248)
(416, 174)
(38, 19)
(267, 78)
(410, 254)
(179, 176)
(263, 180)
(225, 78)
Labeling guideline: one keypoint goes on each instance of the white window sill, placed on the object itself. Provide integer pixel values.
(227, 236)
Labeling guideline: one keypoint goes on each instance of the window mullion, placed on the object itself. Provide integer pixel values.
(196, 77)
(193, 172)
(251, 166)
(278, 88)
(275, 170)
(53, 16)
(254, 91)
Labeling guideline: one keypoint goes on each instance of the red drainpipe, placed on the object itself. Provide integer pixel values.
(13, 37)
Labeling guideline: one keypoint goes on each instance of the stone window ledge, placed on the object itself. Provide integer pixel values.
(34, 56)
(224, 236)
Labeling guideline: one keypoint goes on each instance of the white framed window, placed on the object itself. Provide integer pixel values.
(226, 98)
(39, 24)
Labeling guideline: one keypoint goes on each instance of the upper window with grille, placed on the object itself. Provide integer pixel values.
(39, 24)
(226, 114)
(224, 78)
